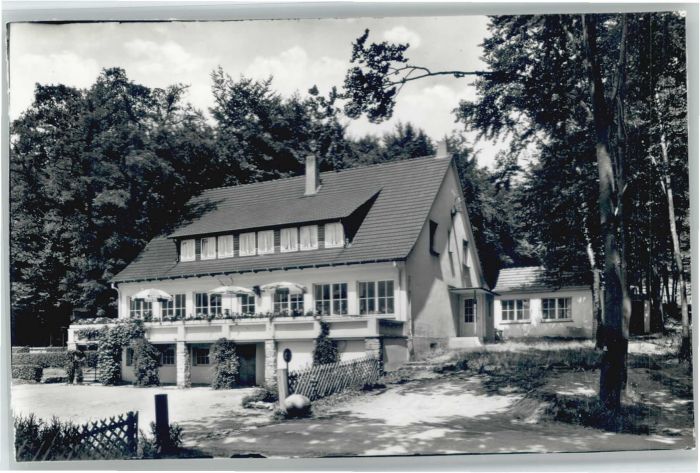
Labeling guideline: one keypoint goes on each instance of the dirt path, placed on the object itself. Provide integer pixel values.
(446, 414)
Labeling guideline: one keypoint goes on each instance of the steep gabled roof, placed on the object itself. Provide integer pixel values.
(404, 190)
(525, 279)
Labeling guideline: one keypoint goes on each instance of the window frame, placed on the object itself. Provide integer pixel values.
(263, 236)
(140, 312)
(332, 228)
(247, 238)
(223, 241)
(469, 303)
(333, 302)
(518, 313)
(199, 351)
(191, 254)
(165, 355)
(211, 248)
(172, 308)
(283, 301)
(313, 231)
(289, 248)
(243, 304)
(562, 305)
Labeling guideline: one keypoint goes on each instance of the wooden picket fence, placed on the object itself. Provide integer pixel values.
(320, 381)
(105, 439)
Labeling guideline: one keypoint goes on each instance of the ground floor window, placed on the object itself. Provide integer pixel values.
(331, 299)
(515, 309)
(140, 309)
(556, 308)
(174, 307)
(286, 302)
(167, 355)
(376, 297)
(247, 303)
(206, 304)
(200, 356)
(469, 311)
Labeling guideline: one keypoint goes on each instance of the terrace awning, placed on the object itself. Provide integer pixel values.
(152, 295)
(293, 288)
(232, 291)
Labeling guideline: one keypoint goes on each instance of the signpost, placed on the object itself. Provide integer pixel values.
(283, 377)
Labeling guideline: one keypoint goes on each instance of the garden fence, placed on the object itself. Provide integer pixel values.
(106, 439)
(320, 381)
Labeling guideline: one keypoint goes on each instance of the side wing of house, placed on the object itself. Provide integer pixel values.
(442, 262)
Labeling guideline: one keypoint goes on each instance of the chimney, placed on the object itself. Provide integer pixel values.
(313, 179)
(441, 149)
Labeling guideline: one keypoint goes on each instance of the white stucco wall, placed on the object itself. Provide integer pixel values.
(434, 309)
(580, 325)
(302, 352)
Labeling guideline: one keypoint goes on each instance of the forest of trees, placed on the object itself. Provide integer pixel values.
(598, 101)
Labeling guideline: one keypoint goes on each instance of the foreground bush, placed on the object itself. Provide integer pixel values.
(150, 447)
(325, 348)
(39, 440)
(260, 395)
(27, 372)
(146, 363)
(226, 364)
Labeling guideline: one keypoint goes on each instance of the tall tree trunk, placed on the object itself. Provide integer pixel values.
(616, 307)
(595, 285)
(685, 350)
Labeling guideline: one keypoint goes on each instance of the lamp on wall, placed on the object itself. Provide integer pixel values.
(455, 208)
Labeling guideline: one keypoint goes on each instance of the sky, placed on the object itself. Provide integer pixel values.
(297, 53)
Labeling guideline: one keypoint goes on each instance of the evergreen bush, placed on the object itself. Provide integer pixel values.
(325, 349)
(226, 364)
(27, 372)
(146, 363)
(54, 359)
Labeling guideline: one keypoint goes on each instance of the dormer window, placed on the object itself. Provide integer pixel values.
(289, 239)
(308, 237)
(266, 242)
(334, 235)
(247, 244)
(225, 246)
(187, 250)
(208, 248)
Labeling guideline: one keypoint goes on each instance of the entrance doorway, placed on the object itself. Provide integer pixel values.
(246, 370)
(469, 318)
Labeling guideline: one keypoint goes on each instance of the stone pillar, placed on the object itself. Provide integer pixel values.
(373, 347)
(270, 363)
(182, 365)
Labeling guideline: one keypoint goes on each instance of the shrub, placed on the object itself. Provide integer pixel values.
(90, 333)
(146, 363)
(226, 364)
(56, 359)
(39, 440)
(27, 372)
(20, 350)
(74, 366)
(112, 341)
(150, 447)
(55, 349)
(325, 349)
(259, 395)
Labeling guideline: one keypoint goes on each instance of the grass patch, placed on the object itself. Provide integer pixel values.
(590, 412)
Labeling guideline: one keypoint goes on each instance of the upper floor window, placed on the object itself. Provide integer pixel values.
(331, 299)
(205, 304)
(247, 244)
(174, 307)
(308, 237)
(247, 303)
(376, 297)
(266, 242)
(556, 309)
(187, 250)
(284, 301)
(209, 248)
(515, 309)
(334, 235)
(289, 239)
(433, 235)
(138, 308)
(225, 246)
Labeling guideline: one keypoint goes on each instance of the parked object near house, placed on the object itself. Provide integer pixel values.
(383, 253)
(526, 306)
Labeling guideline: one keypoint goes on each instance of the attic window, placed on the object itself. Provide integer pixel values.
(225, 246)
(266, 242)
(289, 239)
(334, 235)
(308, 237)
(187, 250)
(208, 248)
(247, 244)
(433, 232)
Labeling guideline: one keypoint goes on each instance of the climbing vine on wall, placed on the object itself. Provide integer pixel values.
(112, 341)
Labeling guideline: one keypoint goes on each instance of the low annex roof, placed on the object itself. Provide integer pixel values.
(524, 279)
(404, 190)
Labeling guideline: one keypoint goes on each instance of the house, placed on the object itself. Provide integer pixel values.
(384, 254)
(526, 306)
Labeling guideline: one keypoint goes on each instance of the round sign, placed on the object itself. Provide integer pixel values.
(287, 355)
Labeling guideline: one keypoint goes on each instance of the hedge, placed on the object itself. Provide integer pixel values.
(28, 372)
(20, 350)
(44, 360)
(54, 349)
